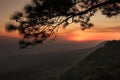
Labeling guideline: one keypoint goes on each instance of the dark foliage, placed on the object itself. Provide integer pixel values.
(103, 64)
(41, 19)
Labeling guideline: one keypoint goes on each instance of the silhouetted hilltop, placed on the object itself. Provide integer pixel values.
(102, 64)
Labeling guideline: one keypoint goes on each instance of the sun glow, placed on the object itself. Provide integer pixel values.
(79, 35)
(76, 38)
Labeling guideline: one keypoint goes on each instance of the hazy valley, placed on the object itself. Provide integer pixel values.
(30, 64)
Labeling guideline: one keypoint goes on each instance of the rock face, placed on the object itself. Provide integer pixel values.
(102, 64)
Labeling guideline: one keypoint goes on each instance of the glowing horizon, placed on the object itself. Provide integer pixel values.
(104, 29)
(75, 34)
(86, 36)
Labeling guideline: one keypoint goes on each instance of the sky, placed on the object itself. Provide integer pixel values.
(104, 28)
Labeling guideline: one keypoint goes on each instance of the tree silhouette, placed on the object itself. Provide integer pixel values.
(41, 19)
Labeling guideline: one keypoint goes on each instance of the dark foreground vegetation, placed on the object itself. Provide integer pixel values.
(103, 64)
(40, 20)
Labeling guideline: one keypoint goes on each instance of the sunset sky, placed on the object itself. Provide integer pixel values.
(104, 28)
(19, 60)
(37, 58)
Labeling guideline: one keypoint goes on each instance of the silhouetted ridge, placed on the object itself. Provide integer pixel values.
(102, 64)
(114, 43)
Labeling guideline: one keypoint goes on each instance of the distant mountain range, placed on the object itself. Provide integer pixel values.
(44, 66)
(102, 64)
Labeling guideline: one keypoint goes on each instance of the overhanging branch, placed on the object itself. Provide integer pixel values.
(89, 9)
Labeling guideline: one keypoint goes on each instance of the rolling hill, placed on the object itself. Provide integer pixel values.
(102, 64)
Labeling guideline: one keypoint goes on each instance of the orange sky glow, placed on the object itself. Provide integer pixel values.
(104, 28)
(79, 35)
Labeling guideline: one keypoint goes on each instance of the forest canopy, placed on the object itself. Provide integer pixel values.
(40, 20)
